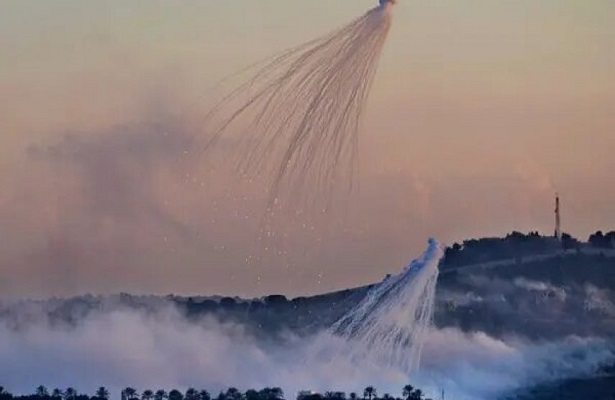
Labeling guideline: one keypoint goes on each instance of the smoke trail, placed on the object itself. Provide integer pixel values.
(388, 326)
(299, 115)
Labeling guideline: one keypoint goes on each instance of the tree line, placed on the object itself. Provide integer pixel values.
(517, 244)
(409, 392)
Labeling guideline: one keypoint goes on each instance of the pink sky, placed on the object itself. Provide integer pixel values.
(481, 111)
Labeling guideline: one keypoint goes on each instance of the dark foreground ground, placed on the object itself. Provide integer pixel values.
(596, 388)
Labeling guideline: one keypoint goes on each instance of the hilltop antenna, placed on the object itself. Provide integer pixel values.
(558, 225)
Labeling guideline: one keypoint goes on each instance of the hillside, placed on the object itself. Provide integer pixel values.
(541, 292)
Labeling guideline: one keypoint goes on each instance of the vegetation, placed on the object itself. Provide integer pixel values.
(129, 393)
(602, 241)
(517, 245)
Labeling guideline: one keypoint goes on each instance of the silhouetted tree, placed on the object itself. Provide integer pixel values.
(233, 394)
(41, 391)
(369, 393)
(407, 391)
(147, 395)
(204, 395)
(70, 394)
(130, 393)
(276, 299)
(57, 394)
(4, 395)
(309, 396)
(175, 395)
(102, 393)
(252, 395)
(274, 393)
(602, 241)
(353, 396)
(335, 396)
(568, 242)
(417, 394)
(160, 395)
(191, 394)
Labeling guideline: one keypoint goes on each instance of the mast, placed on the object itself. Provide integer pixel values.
(558, 222)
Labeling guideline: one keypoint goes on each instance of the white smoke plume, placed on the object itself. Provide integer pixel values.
(299, 113)
(389, 326)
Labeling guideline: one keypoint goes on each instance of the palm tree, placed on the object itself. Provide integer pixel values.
(130, 393)
(42, 391)
(102, 393)
(369, 392)
(191, 394)
(147, 395)
(204, 395)
(407, 392)
(161, 395)
(70, 394)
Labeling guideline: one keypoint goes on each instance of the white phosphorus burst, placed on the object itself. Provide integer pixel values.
(388, 327)
(298, 116)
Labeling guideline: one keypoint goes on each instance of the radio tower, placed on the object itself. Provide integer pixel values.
(558, 226)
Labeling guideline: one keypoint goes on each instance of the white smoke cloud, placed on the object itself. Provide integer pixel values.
(600, 300)
(538, 286)
(120, 347)
(477, 366)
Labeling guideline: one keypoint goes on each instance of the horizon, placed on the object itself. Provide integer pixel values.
(218, 296)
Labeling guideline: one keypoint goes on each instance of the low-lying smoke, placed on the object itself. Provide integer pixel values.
(120, 347)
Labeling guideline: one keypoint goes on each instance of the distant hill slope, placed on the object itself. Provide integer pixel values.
(541, 292)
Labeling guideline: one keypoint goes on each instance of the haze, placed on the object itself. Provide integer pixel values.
(480, 112)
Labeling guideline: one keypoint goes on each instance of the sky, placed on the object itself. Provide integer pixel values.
(481, 110)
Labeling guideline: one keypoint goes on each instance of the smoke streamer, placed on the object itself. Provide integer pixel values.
(387, 328)
(299, 115)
